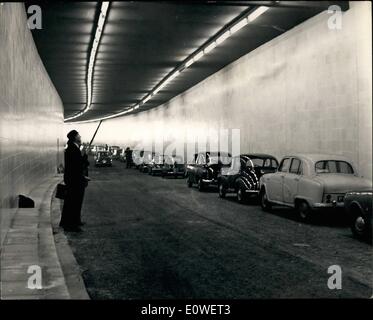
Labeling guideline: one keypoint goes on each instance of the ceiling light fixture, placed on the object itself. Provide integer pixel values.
(210, 47)
(255, 14)
(223, 37)
(198, 56)
(217, 40)
(92, 57)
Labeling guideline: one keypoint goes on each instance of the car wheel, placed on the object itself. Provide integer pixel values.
(304, 210)
(222, 191)
(189, 181)
(264, 203)
(361, 226)
(201, 185)
(241, 195)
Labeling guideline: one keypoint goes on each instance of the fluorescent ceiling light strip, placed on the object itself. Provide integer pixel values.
(256, 13)
(92, 57)
(174, 75)
(239, 25)
(210, 47)
(198, 56)
(223, 37)
(189, 63)
(146, 99)
(157, 90)
(251, 16)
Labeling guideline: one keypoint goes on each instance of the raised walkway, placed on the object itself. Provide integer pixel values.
(30, 244)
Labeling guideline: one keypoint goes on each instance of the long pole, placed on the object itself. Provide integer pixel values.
(94, 135)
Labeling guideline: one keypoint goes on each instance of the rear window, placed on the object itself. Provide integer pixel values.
(285, 164)
(257, 162)
(333, 166)
(223, 158)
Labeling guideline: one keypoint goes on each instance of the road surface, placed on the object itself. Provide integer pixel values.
(148, 237)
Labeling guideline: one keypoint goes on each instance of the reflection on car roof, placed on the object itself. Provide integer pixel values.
(257, 155)
(314, 157)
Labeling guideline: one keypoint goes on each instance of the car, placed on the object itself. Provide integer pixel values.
(204, 171)
(145, 160)
(99, 148)
(242, 177)
(308, 182)
(155, 166)
(115, 151)
(358, 205)
(173, 166)
(103, 159)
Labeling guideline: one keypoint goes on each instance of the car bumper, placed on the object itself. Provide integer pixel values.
(210, 181)
(253, 192)
(328, 205)
(171, 171)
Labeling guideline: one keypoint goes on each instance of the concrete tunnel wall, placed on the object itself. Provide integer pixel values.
(31, 113)
(308, 90)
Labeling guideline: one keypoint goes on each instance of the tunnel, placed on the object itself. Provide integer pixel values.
(225, 149)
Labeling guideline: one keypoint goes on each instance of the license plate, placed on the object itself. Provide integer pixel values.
(104, 161)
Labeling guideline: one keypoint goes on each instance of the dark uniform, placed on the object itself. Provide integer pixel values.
(128, 154)
(74, 177)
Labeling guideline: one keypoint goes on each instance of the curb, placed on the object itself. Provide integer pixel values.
(70, 267)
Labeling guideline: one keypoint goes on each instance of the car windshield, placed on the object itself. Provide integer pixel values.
(256, 162)
(236, 163)
(333, 166)
(215, 158)
(103, 154)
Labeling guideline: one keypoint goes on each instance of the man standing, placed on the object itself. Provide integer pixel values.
(128, 154)
(76, 181)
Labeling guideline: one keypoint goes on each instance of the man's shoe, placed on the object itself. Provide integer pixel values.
(72, 229)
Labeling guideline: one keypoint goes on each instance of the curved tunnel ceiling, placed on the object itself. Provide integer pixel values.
(142, 42)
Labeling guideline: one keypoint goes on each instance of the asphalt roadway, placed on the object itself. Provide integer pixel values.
(151, 238)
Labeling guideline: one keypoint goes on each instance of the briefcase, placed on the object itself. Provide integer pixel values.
(61, 191)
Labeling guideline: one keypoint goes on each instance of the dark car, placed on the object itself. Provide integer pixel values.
(173, 166)
(155, 166)
(103, 159)
(242, 177)
(358, 205)
(204, 171)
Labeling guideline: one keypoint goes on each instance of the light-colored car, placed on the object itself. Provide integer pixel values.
(310, 181)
